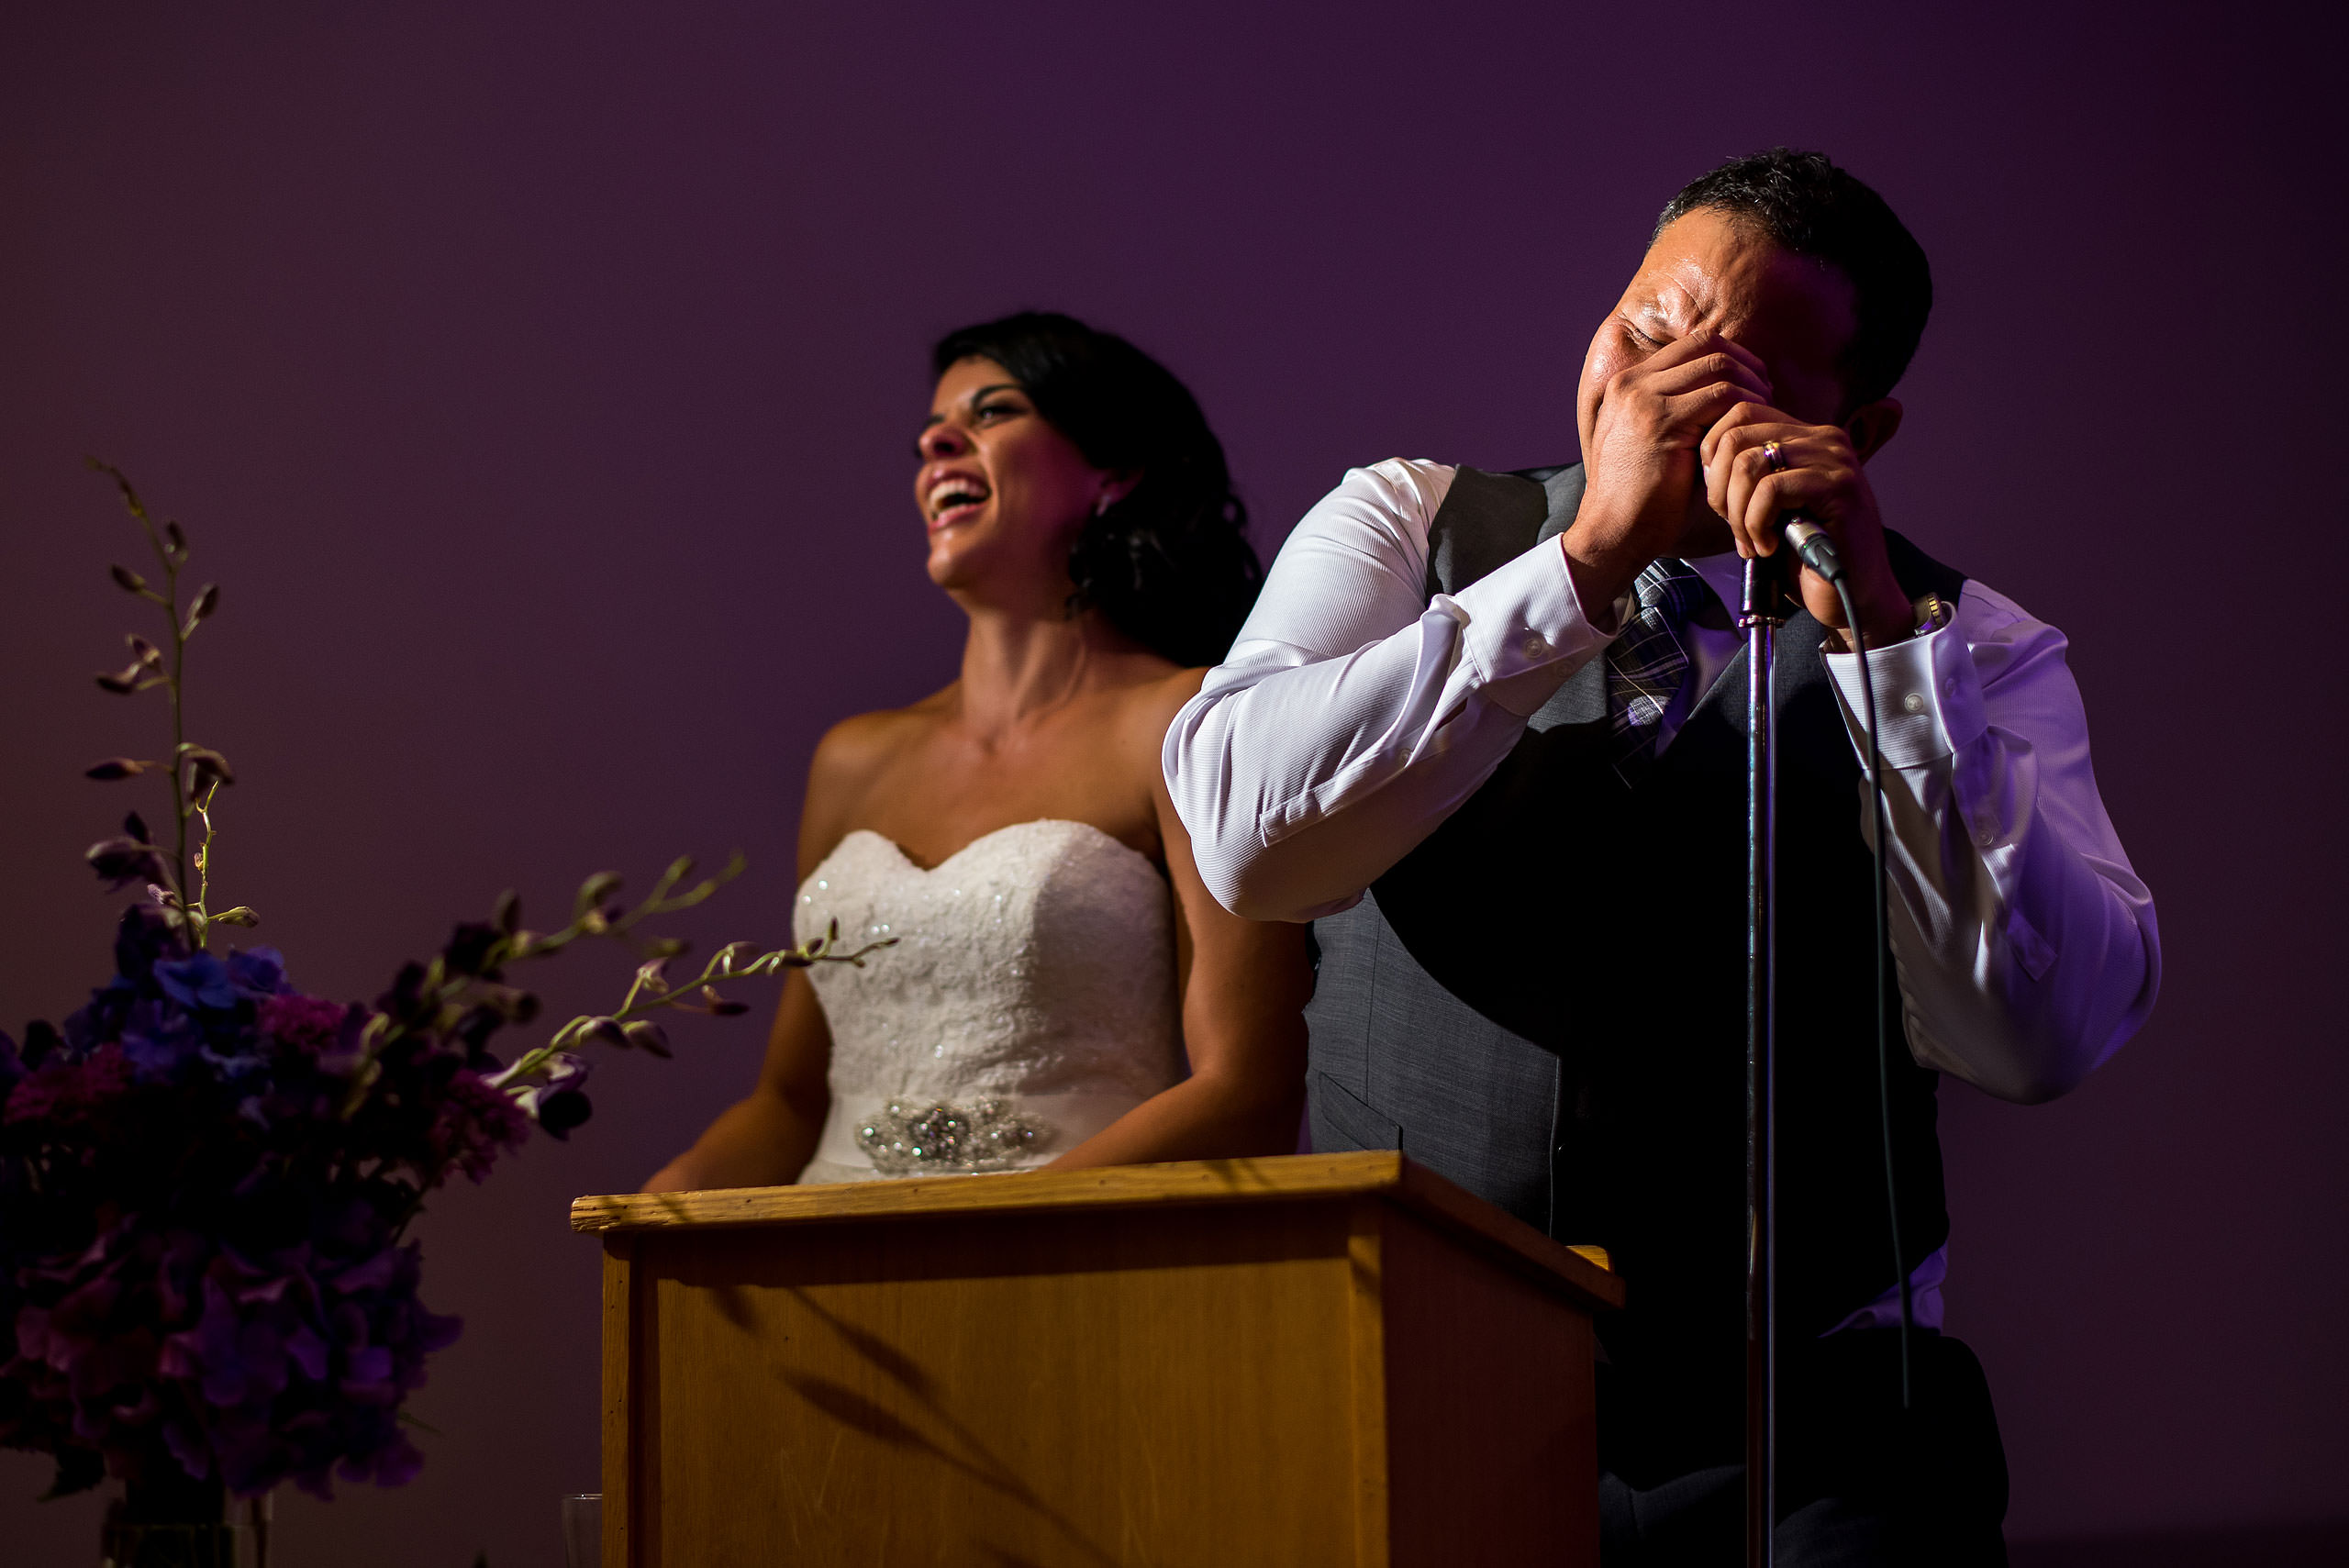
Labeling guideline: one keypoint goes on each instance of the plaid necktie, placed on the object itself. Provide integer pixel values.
(1647, 663)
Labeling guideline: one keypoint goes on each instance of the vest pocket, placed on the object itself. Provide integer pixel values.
(1341, 1120)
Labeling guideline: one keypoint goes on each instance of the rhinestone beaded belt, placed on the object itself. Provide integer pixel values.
(906, 1138)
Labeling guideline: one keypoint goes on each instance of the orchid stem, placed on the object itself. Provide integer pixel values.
(183, 805)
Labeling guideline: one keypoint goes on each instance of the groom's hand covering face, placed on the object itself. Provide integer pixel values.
(1723, 344)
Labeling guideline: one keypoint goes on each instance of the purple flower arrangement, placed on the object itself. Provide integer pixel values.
(206, 1177)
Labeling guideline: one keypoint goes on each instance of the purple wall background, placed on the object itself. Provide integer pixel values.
(539, 377)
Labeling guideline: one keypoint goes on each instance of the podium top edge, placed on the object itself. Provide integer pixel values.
(1380, 1173)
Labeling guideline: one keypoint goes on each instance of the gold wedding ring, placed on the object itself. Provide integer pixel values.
(1772, 454)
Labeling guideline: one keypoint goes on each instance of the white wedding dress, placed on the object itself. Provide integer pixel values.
(1029, 1000)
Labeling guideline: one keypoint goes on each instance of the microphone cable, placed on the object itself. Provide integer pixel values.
(1818, 553)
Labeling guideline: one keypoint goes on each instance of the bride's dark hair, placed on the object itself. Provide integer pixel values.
(1169, 564)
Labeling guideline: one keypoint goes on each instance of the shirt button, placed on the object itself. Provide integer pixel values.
(1913, 703)
(1535, 645)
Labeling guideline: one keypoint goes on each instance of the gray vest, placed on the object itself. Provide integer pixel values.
(1545, 1002)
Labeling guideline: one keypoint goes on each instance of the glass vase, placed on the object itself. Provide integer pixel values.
(174, 1522)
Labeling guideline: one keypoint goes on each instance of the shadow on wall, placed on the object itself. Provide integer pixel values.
(2295, 1546)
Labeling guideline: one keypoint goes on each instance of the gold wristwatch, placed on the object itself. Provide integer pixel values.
(1933, 612)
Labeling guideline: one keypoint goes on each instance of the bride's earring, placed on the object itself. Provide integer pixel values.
(1101, 505)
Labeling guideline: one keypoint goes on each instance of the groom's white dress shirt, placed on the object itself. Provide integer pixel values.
(1354, 713)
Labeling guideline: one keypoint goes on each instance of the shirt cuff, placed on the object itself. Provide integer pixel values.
(1927, 698)
(1525, 628)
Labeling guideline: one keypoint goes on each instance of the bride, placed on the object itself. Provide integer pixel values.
(1063, 990)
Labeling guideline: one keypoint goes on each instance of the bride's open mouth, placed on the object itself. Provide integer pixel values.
(956, 498)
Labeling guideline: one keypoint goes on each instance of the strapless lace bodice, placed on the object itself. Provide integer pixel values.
(1033, 983)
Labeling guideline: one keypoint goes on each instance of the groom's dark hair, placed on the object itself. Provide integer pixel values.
(1801, 202)
(1169, 564)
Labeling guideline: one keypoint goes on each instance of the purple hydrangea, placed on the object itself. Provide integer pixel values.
(202, 1252)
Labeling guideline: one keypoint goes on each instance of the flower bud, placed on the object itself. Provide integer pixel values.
(646, 1035)
(471, 948)
(116, 768)
(121, 861)
(206, 768)
(130, 582)
(560, 1111)
(566, 1069)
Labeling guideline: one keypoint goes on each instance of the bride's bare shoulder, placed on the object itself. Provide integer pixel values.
(863, 743)
(852, 757)
(1150, 705)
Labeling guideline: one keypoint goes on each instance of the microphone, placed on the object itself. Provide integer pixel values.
(1811, 544)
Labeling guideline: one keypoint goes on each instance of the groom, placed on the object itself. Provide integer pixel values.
(1485, 731)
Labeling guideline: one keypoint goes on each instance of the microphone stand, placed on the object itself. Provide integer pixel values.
(1761, 613)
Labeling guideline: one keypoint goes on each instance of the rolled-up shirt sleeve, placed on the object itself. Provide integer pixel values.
(2025, 943)
(1356, 710)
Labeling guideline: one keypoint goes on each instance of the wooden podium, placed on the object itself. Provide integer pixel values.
(1317, 1359)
